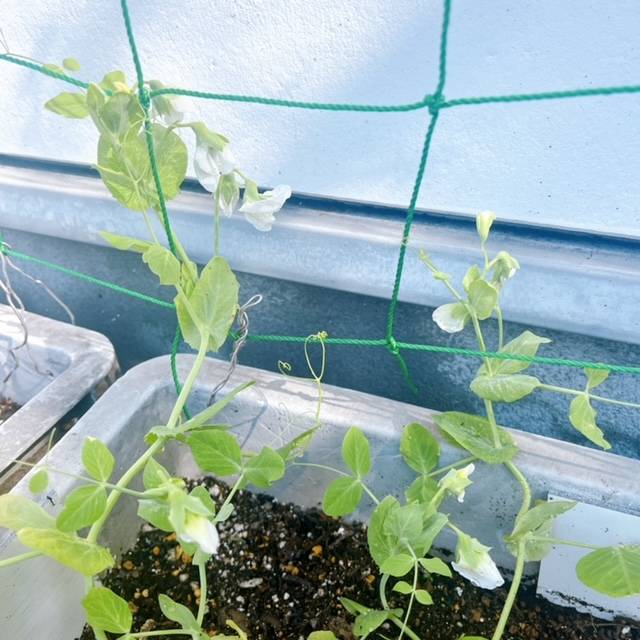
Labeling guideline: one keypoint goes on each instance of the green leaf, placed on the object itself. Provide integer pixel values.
(265, 468)
(214, 301)
(97, 459)
(154, 474)
(124, 243)
(471, 276)
(217, 452)
(353, 607)
(435, 565)
(422, 489)
(381, 546)
(178, 613)
(39, 481)
(423, 597)
(69, 105)
(595, 377)
(583, 417)
(87, 558)
(82, 508)
(71, 64)
(107, 611)
(204, 135)
(405, 524)
(342, 496)
(356, 452)
(163, 263)
(403, 587)
(110, 79)
(155, 513)
(419, 448)
(483, 298)
(367, 623)
(321, 635)
(298, 446)
(18, 512)
(614, 571)
(54, 67)
(473, 433)
(535, 526)
(398, 565)
(451, 317)
(504, 388)
(526, 344)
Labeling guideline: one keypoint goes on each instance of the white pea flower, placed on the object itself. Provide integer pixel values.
(201, 531)
(457, 480)
(260, 211)
(484, 222)
(211, 163)
(171, 109)
(475, 564)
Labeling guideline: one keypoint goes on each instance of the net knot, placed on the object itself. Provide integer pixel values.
(392, 345)
(145, 98)
(435, 103)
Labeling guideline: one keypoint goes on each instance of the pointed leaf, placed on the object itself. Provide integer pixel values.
(504, 388)
(97, 459)
(422, 489)
(419, 448)
(125, 243)
(82, 508)
(69, 105)
(265, 468)
(614, 571)
(163, 263)
(483, 298)
(473, 433)
(526, 344)
(107, 611)
(178, 613)
(71, 64)
(39, 481)
(84, 557)
(583, 417)
(367, 623)
(18, 512)
(217, 452)
(356, 452)
(154, 474)
(342, 496)
(435, 565)
(423, 597)
(595, 377)
(155, 513)
(398, 565)
(403, 587)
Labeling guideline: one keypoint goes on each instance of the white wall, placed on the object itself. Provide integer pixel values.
(567, 163)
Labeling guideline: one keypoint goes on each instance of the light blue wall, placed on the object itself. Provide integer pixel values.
(564, 163)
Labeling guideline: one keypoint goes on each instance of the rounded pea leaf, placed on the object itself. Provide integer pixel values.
(69, 105)
(107, 611)
(154, 474)
(356, 452)
(84, 557)
(265, 468)
(217, 452)
(39, 481)
(403, 587)
(483, 297)
(398, 565)
(423, 597)
(178, 613)
(451, 317)
(82, 508)
(18, 512)
(435, 565)
(526, 344)
(614, 571)
(422, 489)
(97, 459)
(419, 448)
(473, 433)
(71, 64)
(504, 388)
(367, 623)
(163, 263)
(321, 635)
(342, 496)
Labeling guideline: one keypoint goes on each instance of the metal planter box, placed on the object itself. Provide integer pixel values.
(271, 412)
(50, 375)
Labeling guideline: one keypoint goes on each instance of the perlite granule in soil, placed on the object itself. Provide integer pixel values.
(281, 569)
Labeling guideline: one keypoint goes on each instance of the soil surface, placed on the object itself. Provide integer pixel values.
(281, 569)
(7, 409)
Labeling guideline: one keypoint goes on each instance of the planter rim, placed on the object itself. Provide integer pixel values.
(89, 360)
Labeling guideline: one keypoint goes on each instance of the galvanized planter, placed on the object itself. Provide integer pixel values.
(57, 368)
(272, 412)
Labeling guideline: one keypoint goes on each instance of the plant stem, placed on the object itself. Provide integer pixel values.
(319, 466)
(567, 543)
(526, 489)
(21, 558)
(488, 405)
(150, 227)
(513, 590)
(405, 622)
(575, 392)
(202, 607)
(500, 327)
(166, 632)
(383, 590)
(369, 492)
(453, 465)
(229, 497)
(399, 623)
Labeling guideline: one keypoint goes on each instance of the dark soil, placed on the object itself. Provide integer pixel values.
(7, 409)
(281, 569)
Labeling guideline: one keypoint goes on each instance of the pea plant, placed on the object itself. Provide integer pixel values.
(401, 534)
(206, 303)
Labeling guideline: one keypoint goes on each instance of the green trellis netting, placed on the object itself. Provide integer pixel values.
(434, 103)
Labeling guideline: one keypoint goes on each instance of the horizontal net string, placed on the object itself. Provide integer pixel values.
(357, 342)
(425, 103)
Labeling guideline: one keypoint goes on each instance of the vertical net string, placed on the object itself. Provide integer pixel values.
(434, 111)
